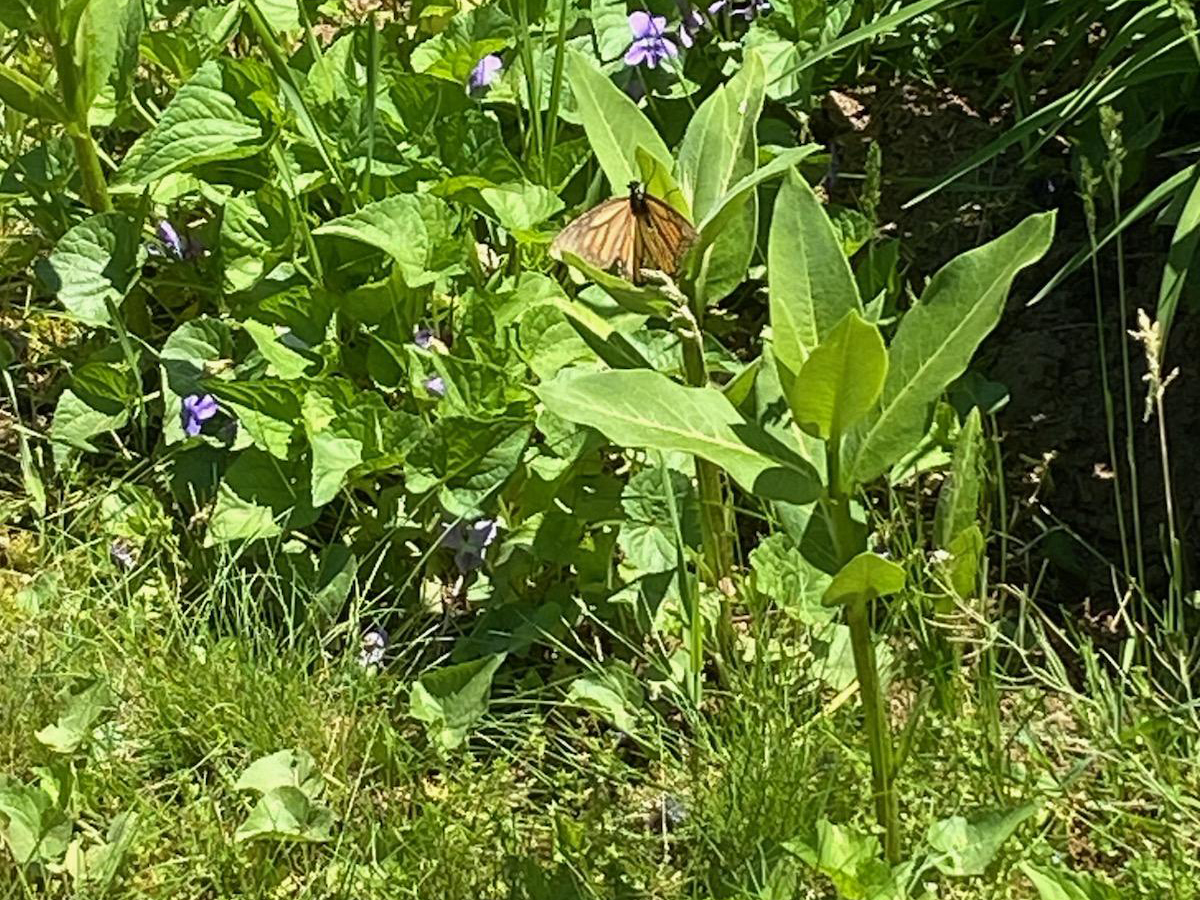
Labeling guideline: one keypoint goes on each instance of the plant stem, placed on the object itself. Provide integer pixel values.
(883, 788)
(95, 187)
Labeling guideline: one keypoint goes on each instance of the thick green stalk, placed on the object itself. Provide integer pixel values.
(845, 544)
(883, 788)
(95, 187)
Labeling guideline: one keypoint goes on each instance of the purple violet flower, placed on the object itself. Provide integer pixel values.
(435, 386)
(649, 46)
(423, 338)
(171, 240)
(692, 25)
(486, 73)
(469, 542)
(197, 409)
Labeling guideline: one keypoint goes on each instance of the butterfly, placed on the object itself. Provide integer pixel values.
(631, 233)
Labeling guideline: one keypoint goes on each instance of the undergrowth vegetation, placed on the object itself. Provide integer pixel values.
(359, 538)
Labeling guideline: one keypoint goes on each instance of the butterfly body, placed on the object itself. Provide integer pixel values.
(628, 234)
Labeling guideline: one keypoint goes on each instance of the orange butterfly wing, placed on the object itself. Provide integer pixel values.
(617, 235)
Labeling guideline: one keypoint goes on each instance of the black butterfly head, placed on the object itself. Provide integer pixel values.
(637, 196)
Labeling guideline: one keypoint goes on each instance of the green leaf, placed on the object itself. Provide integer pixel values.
(285, 353)
(25, 95)
(106, 46)
(958, 500)
(33, 828)
(614, 125)
(717, 151)
(841, 379)
(644, 300)
(936, 340)
(284, 768)
(287, 814)
(1184, 242)
(200, 125)
(968, 847)
(848, 858)
(256, 235)
(281, 15)
(467, 458)
(646, 537)
(647, 410)
(810, 282)
(612, 693)
(260, 496)
(783, 574)
(94, 264)
(522, 207)
(79, 716)
(268, 409)
(450, 700)
(468, 38)
(98, 865)
(407, 227)
(1059, 884)
(76, 422)
(865, 577)
(187, 355)
(733, 202)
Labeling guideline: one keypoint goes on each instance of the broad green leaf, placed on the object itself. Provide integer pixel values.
(256, 235)
(614, 125)
(522, 207)
(841, 379)
(968, 847)
(284, 768)
(407, 227)
(450, 700)
(94, 264)
(645, 300)
(810, 282)
(782, 574)
(268, 409)
(99, 863)
(866, 577)
(849, 859)
(958, 500)
(549, 341)
(201, 124)
(78, 718)
(732, 203)
(1059, 884)
(610, 25)
(718, 148)
(287, 814)
(350, 429)
(648, 410)
(646, 536)
(468, 38)
(33, 827)
(76, 422)
(466, 458)
(25, 95)
(260, 496)
(612, 693)
(287, 356)
(936, 340)
(106, 46)
(281, 15)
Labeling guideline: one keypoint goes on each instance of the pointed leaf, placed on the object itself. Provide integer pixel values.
(811, 285)
(93, 265)
(614, 125)
(841, 380)
(287, 814)
(201, 124)
(936, 341)
(968, 847)
(648, 410)
(450, 700)
(866, 577)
